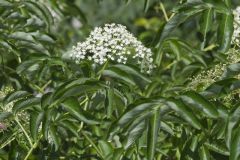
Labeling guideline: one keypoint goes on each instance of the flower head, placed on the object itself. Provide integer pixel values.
(113, 42)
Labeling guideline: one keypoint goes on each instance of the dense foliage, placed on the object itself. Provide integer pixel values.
(184, 106)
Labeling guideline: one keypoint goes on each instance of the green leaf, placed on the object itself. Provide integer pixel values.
(117, 154)
(135, 110)
(221, 87)
(146, 5)
(225, 32)
(5, 115)
(79, 90)
(35, 121)
(133, 70)
(206, 25)
(15, 95)
(71, 127)
(235, 145)
(153, 127)
(184, 112)
(231, 71)
(22, 36)
(76, 88)
(4, 3)
(29, 65)
(25, 103)
(217, 147)
(41, 10)
(233, 120)
(204, 153)
(174, 22)
(46, 100)
(194, 99)
(46, 123)
(110, 102)
(134, 134)
(73, 107)
(119, 74)
(105, 147)
(55, 137)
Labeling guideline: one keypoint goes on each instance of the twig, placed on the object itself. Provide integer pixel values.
(24, 131)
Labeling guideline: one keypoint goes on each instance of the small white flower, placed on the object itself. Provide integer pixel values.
(113, 42)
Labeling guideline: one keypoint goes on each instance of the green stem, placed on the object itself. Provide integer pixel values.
(32, 148)
(24, 131)
(50, 81)
(101, 71)
(93, 144)
(85, 108)
(164, 11)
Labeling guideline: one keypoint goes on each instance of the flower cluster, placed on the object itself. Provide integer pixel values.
(206, 78)
(113, 42)
(236, 33)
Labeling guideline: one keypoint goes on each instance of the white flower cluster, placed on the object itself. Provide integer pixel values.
(236, 33)
(113, 42)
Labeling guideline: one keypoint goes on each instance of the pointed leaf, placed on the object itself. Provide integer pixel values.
(72, 105)
(182, 109)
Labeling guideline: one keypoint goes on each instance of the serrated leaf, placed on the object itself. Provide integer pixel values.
(134, 111)
(15, 95)
(41, 10)
(54, 137)
(225, 32)
(46, 123)
(25, 103)
(184, 112)
(35, 121)
(206, 25)
(194, 99)
(217, 147)
(134, 134)
(73, 107)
